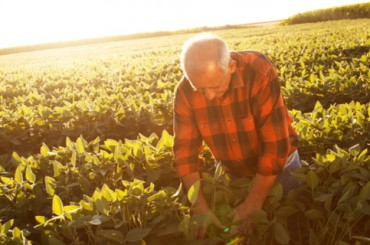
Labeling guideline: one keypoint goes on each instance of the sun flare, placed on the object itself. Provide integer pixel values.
(24, 22)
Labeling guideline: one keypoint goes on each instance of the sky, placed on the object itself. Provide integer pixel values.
(27, 22)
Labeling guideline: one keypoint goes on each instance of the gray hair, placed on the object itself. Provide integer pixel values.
(201, 50)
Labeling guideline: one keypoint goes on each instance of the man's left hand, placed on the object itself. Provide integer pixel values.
(240, 216)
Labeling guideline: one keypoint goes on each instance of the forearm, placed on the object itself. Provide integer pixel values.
(188, 181)
(259, 191)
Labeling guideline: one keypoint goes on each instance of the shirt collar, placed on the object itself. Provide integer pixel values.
(236, 78)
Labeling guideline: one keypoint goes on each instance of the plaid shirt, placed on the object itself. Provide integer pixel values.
(249, 128)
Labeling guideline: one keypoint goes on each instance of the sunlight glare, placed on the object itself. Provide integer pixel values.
(25, 22)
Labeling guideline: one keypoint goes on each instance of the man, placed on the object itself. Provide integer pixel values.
(232, 101)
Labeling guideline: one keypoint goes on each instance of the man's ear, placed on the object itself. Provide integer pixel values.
(232, 65)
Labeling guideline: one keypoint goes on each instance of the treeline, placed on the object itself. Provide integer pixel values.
(354, 11)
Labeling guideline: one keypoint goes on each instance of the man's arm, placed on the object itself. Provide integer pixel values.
(187, 145)
(259, 191)
(272, 124)
(253, 202)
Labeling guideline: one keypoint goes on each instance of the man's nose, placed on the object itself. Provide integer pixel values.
(210, 94)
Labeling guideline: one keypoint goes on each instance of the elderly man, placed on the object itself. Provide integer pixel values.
(232, 101)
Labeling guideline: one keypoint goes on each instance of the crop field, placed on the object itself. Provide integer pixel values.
(86, 142)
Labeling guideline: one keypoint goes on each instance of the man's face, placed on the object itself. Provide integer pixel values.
(214, 82)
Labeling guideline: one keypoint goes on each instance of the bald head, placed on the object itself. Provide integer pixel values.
(202, 53)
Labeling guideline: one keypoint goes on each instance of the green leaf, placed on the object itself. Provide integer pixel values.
(50, 185)
(40, 219)
(17, 233)
(54, 241)
(276, 192)
(286, 211)
(362, 156)
(281, 236)
(314, 214)
(137, 150)
(137, 188)
(102, 205)
(30, 176)
(312, 180)
(16, 158)
(57, 166)
(117, 151)
(86, 205)
(18, 176)
(6, 226)
(160, 195)
(113, 235)
(80, 146)
(108, 194)
(258, 216)
(6, 180)
(166, 140)
(44, 150)
(94, 144)
(57, 205)
(137, 234)
(355, 150)
(110, 144)
(71, 208)
(365, 193)
(69, 143)
(335, 166)
(193, 192)
(99, 219)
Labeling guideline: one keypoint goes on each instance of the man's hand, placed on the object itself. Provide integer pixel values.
(260, 189)
(240, 217)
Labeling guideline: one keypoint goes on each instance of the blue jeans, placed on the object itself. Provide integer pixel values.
(287, 181)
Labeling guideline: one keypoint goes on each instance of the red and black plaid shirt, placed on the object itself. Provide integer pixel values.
(249, 124)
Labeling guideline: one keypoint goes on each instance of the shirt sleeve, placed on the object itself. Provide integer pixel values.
(271, 119)
(187, 139)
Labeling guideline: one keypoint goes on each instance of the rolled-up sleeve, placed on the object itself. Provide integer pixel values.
(187, 139)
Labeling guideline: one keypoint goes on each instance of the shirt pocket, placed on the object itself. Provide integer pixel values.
(248, 123)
